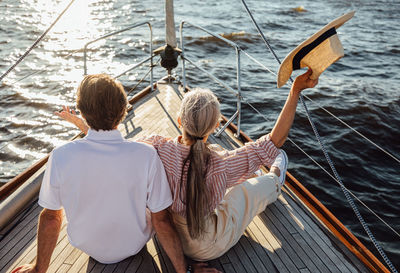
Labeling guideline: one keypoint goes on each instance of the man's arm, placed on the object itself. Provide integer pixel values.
(48, 230)
(171, 243)
(169, 239)
(70, 116)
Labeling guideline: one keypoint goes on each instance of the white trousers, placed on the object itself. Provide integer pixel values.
(240, 205)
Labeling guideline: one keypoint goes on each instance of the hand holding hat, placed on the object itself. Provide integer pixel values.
(304, 81)
(317, 52)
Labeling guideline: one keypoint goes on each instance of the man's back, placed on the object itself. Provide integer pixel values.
(105, 184)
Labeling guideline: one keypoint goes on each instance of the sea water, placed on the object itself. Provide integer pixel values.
(362, 89)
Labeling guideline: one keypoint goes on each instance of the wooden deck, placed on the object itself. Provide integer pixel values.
(286, 237)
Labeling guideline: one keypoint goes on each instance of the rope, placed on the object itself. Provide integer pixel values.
(346, 193)
(35, 43)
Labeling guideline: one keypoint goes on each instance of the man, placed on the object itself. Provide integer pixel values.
(110, 188)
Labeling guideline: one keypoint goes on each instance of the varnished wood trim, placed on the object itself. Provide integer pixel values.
(17, 181)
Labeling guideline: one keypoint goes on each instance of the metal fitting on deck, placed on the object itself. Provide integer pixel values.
(169, 56)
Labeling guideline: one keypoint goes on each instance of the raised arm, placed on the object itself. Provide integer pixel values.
(285, 120)
(70, 116)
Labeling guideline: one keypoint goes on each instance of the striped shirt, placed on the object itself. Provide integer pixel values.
(227, 168)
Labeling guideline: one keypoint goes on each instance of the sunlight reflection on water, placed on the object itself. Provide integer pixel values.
(362, 88)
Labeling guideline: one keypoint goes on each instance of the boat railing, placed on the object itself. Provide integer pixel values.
(244, 100)
(150, 58)
(14, 198)
(237, 92)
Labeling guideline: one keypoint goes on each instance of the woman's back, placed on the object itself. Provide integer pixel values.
(226, 168)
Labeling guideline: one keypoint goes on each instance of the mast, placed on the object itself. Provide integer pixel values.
(170, 52)
(170, 34)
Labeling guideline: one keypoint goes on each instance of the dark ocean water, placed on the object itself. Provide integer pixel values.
(362, 89)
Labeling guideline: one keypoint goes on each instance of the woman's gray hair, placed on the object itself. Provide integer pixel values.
(199, 115)
(199, 112)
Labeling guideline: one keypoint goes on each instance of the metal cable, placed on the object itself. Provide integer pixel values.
(35, 43)
(42, 70)
(354, 130)
(139, 82)
(346, 193)
(2, 147)
(323, 169)
(6, 144)
(260, 32)
(330, 113)
(256, 61)
(133, 88)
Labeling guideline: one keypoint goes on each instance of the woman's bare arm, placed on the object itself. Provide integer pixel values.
(285, 120)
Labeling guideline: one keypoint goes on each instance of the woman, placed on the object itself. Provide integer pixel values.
(213, 200)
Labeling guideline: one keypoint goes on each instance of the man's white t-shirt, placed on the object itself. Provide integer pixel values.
(105, 183)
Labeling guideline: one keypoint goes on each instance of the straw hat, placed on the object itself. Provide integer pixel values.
(317, 52)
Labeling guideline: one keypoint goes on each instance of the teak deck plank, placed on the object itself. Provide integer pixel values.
(315, 236)
(251, 253)
(240, 255)
(31, 213)
(63, 268)
(259, 239)
(276, 245)
(283, 238)
(277, 230)
(309, 260)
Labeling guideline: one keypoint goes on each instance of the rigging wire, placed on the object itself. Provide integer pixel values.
(43, 70)
(35, 43)
(346, 193)
(272, 51)
(28, 76)
(322, 168)
(354, 130)
(39, 71)
(327, 172)
(142, 79)
(330, 113)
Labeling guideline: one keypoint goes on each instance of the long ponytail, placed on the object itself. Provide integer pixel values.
(199, 115)
(197, 195)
